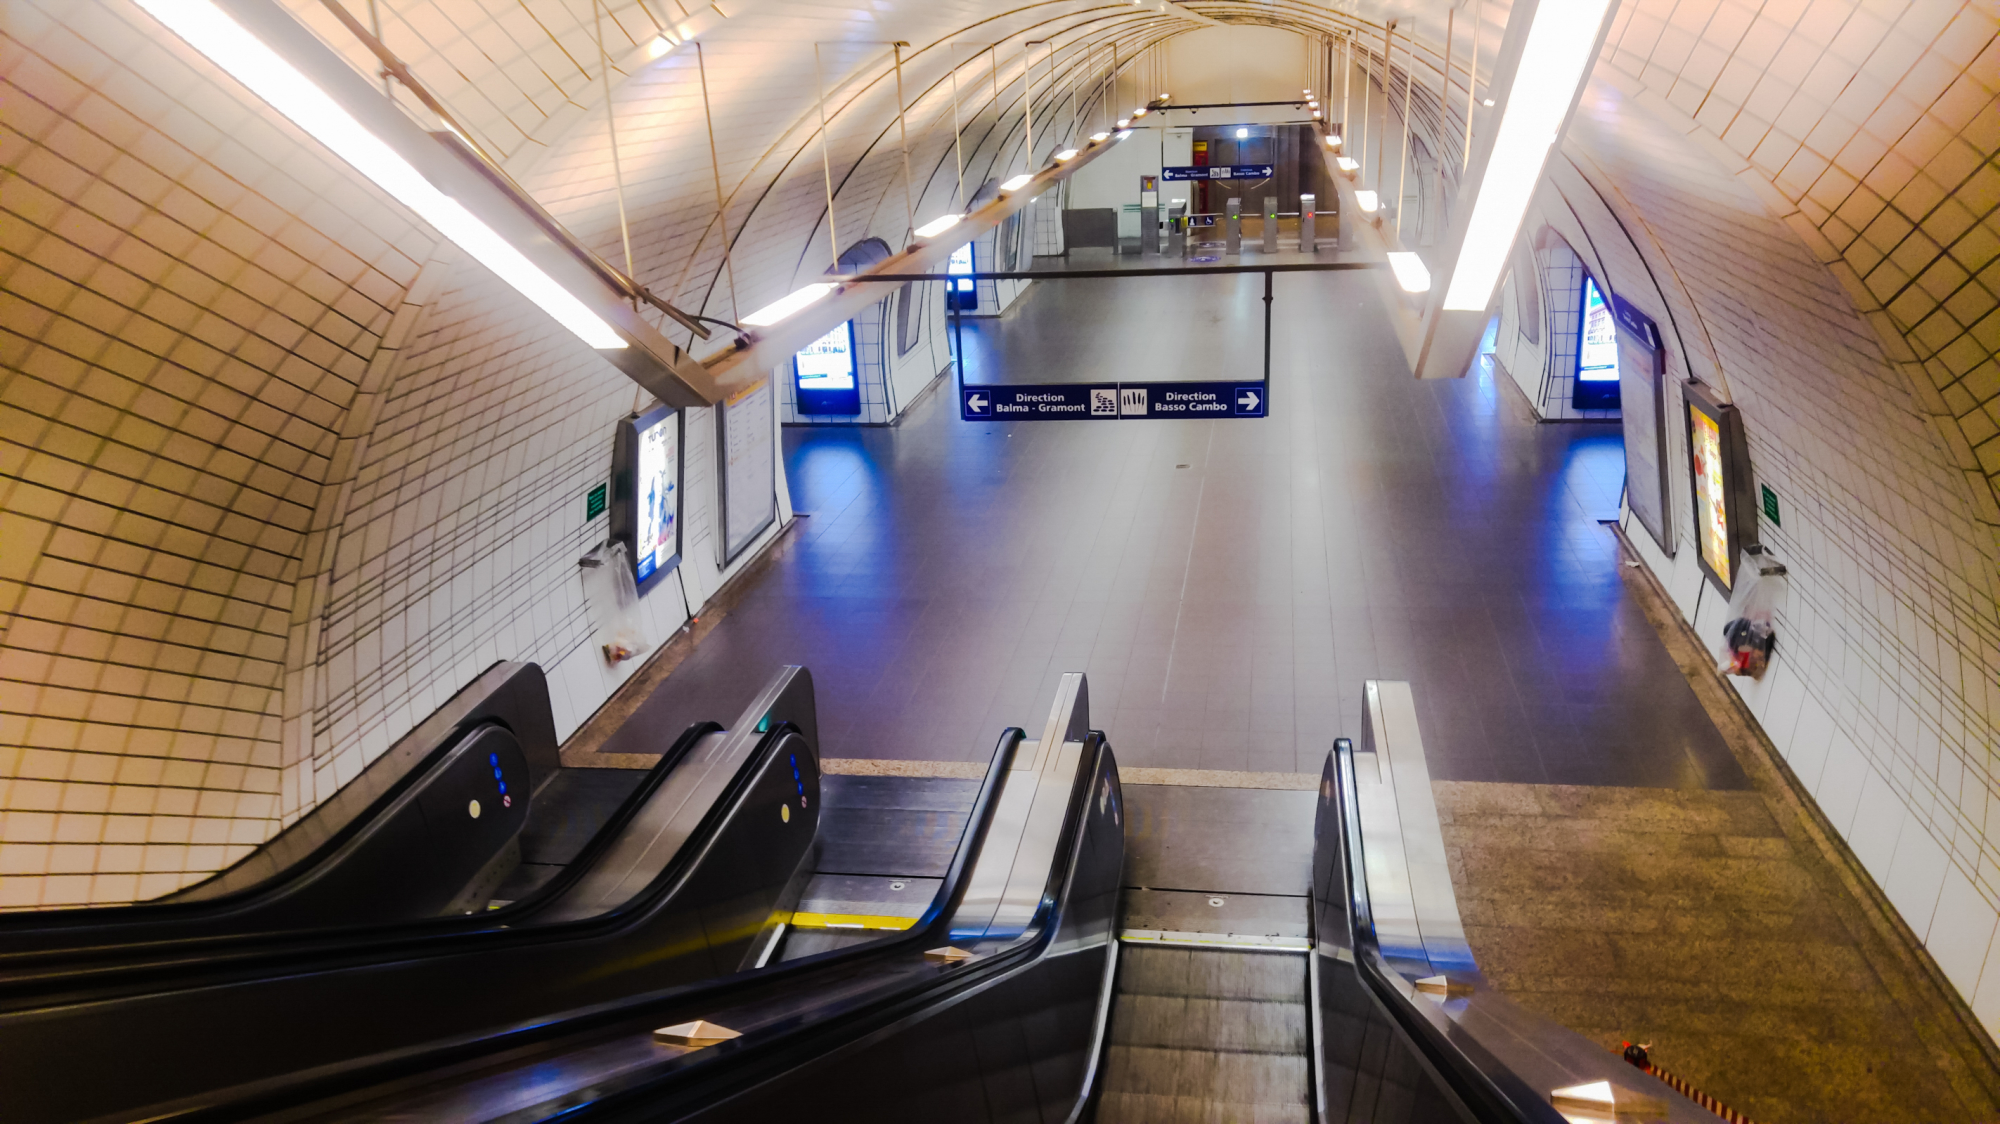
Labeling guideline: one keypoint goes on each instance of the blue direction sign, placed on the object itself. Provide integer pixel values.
(1054, 401)
(1219, 172)
(1191, 400)
(1038, 402)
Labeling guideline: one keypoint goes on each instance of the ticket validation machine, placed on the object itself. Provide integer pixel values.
(1233, 233)
(1308, 238)
(1270, 224)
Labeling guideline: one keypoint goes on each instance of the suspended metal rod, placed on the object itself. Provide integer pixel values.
(902, 130)
(611, 135)
(826, 160)
(715, 166)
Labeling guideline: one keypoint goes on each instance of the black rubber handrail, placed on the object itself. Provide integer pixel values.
(420, 1065)
(175, 908)
(708, 1075)
(1485, 1087)
(40, 973)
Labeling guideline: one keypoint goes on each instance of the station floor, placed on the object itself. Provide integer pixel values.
(1227, 586)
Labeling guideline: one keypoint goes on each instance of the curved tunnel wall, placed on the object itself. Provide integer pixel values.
(280, 477)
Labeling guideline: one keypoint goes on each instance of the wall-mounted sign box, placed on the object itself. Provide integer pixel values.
(646, 475)
(1725, 519)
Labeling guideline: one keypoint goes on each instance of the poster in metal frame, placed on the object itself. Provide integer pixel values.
(751, 410)
(1642, 378)
(1719, 484)
(637, 435)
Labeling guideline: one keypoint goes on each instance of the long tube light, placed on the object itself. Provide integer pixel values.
(249, 61)
(1410, 272)
(1017, 182)
(1367, 201)
(937, 226)
(1559, 46)
(789, 303)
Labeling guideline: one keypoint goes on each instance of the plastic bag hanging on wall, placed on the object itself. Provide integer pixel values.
(612, 595)
(1750, 638)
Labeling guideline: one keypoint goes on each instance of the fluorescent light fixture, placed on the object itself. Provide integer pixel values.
(1066, 154)
(1018, 182)
(1163, 97)
(660, 45)
(1366, 201)
(1138, 113)
(1315, 114)
(1557, 52)
(1313, 102)
(1099, 138)
(789, 303)
(1346, 164)
(1489, 103)
(1242, 134)
(937, 226)
(1410, 271)
(1123, 133)
(291, 93)
(1124, 121)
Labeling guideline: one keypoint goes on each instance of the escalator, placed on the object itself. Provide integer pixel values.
(680, 885)
(1020, 990)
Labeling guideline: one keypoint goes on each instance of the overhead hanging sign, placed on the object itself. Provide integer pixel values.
(1219, 172)
(1109, 401)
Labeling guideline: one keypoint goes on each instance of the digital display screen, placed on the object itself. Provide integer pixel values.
(1711, 512)
(827, 363)
(961, 262)
(1597, 355)
(656, 484)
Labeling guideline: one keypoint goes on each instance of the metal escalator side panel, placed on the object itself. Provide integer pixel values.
(1013, 1045)
(1013, 867)
(652, 837)
(659, 831)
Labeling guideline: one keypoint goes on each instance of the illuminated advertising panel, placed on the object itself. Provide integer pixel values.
(1596, 352)
(964, 293)
(1719, 466)
(646, 492)
(824, 374)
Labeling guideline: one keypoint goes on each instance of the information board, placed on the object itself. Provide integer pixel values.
(747, 457)
(824, 374)
(1643, 413)
(1219, 172)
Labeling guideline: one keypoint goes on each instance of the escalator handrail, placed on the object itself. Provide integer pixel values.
(317, 951)
(1482, 1084)
(287, 1092)
(49, 968)
(175, 908)
(774, 1050)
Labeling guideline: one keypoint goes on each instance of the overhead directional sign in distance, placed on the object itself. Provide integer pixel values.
(1055, 401)
(1219, 172)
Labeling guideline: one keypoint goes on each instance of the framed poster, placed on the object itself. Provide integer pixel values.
(1719, 463)
(1642, 369)
(747, 451)
(1596, 386)
(646, 473)
(824, 375)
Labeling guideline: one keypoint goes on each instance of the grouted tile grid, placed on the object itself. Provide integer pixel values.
(1684, 920)
(1879, 123)
(192, 293)
(1893, 606)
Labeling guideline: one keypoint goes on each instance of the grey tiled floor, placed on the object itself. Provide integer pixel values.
(1227, 585)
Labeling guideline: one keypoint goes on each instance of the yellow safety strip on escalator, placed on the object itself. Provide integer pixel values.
(849, 921)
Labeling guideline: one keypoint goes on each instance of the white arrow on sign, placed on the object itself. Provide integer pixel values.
(1248, 401)
(977, 402)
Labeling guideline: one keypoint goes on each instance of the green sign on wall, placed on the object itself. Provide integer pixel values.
(593, 503)
(1770, 505)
